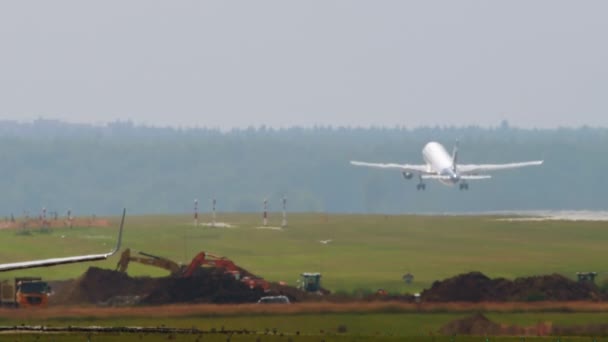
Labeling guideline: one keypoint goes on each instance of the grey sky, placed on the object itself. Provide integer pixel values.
(282, 63)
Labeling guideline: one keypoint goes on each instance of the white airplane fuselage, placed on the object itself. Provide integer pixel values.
(438, 160)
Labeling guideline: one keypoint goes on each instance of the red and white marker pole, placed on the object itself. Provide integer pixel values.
(213, 213)
(265, 221)
(196, 212)
(44, 223)
(284, 223)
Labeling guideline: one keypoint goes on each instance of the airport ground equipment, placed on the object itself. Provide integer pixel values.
(24, 292)
(274, 300)
(148, 259)
(584, 277)
(202, 259)
(408, 278)
(310, 282)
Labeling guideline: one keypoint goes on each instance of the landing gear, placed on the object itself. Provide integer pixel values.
(463, 186)
(420, 185)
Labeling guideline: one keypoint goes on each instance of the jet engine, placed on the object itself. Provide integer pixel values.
(407, 175)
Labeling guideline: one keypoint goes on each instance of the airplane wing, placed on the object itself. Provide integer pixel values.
(401, 167)
(463, 177)
(475, 177)
(66, 260)
(468, 169)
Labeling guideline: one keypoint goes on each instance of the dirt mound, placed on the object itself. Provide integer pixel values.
(553, 287)
(479, 325)
(100, 287)
(476, 287)
(207, 286)
(470, 287)
(476, 324)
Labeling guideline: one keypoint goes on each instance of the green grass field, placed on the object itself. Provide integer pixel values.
(339, 327)
(367, 252)
(271, 338)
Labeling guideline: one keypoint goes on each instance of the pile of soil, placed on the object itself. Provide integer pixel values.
(479, 325)
(100, 287)
(476, 287)
(207, 286)
(476, 324)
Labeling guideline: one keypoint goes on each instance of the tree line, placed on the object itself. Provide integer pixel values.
(99, 169)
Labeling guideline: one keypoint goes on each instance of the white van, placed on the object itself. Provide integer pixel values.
(274, 300)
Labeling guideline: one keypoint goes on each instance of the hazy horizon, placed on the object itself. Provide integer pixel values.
(135, 123)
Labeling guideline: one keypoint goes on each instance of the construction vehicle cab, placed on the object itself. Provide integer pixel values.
(586, 277)
(310, 282)
(25, 292)
(32, 292)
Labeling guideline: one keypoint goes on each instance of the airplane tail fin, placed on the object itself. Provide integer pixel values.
(119, 242)
(455, 156)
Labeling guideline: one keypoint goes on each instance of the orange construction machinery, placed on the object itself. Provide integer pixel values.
(147, 259)
(24, 292)
(202, 259)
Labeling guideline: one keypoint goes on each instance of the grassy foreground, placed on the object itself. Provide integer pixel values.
(367, 252)
(306, 327)
(249, 338)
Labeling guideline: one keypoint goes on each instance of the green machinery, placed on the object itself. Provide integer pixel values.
(584, 277)
(310, 282)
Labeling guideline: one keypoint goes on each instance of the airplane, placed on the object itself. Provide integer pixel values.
(66, 260)
(440, 166)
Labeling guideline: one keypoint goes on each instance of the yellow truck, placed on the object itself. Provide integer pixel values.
(24, 292)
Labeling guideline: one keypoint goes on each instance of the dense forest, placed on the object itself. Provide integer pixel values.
(99, 169)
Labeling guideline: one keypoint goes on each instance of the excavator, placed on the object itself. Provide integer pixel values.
(148, 259)
(202, 259)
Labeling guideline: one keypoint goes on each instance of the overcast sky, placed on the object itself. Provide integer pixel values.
(282, 63)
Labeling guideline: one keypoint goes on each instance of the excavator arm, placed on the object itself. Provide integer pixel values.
(207, 259)
(202, 259)
(149, 260)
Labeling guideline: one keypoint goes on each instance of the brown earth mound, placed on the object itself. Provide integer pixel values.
(207, 286)
(97, 285)
(100, 286)
(476, 287)
(476, 324)
(479, 325)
